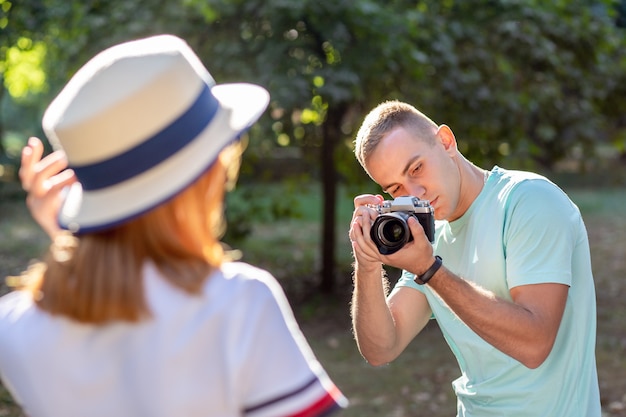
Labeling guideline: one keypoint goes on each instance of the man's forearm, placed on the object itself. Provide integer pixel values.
(524, 328)
(372, 322)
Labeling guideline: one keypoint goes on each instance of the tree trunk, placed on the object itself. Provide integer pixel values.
(2, 91)
(332, 133)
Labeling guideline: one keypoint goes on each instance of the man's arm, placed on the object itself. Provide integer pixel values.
(524, 328)
(383, 326)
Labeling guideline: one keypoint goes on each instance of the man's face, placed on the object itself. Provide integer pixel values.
(404, 165)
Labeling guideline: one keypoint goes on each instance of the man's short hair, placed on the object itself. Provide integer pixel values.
(386, 117)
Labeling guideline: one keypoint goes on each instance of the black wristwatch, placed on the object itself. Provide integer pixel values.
(426, 276)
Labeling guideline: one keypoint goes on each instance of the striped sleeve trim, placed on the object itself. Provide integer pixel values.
(312, 399)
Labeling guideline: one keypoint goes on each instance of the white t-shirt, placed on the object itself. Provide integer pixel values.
(520, 230)
(233, 350)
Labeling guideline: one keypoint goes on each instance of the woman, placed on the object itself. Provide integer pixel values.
(136, 310)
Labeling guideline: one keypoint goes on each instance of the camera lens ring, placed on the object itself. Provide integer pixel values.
(390, 232)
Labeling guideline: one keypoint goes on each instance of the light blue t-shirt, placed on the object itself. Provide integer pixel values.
(520, 230)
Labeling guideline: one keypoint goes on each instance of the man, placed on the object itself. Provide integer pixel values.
(511, 286)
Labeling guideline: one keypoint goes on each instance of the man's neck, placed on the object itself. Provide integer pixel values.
(472, 182)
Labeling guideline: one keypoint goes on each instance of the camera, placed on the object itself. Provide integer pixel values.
(390, 231)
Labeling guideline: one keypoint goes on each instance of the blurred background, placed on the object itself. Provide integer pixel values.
(536, 85)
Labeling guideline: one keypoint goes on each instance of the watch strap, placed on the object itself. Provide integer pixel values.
(426, 276)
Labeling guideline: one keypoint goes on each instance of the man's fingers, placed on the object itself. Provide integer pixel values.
(365, 199)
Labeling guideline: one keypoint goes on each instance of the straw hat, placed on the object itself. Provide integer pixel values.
(140, 122)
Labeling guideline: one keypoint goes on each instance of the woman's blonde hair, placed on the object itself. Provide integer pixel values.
(97, 277)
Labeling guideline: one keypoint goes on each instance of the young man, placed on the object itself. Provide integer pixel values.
(510, 286)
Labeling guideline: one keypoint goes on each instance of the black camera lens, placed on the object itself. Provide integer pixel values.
(390, 232)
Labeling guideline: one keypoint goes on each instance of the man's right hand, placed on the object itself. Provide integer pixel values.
(382, 328)
(365, 252)
(416, 256)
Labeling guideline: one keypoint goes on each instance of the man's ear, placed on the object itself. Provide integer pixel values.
(447, 139)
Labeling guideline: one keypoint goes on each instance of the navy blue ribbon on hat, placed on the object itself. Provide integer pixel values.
(153, 150)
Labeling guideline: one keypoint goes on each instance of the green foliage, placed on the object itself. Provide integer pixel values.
(76, 30)
(69, 33)
(22, 52)
(517, 80)
(313, 57)
(514, 79)
(258, 204)
(531, 76)
(23, 68)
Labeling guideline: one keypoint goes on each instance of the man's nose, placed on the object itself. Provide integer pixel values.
(417, 191)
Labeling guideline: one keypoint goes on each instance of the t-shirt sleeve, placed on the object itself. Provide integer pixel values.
(541, 229)
(407, 279)
(279, 372)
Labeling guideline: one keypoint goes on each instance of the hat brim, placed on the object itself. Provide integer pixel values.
(83, 211)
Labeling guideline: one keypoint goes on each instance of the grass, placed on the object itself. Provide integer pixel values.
(417, 383)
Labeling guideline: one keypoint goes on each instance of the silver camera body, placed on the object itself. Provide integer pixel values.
(390, 231)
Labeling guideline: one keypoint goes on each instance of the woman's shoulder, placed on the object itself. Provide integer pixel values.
(243, 275)
(15, 303)
(17, 311)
